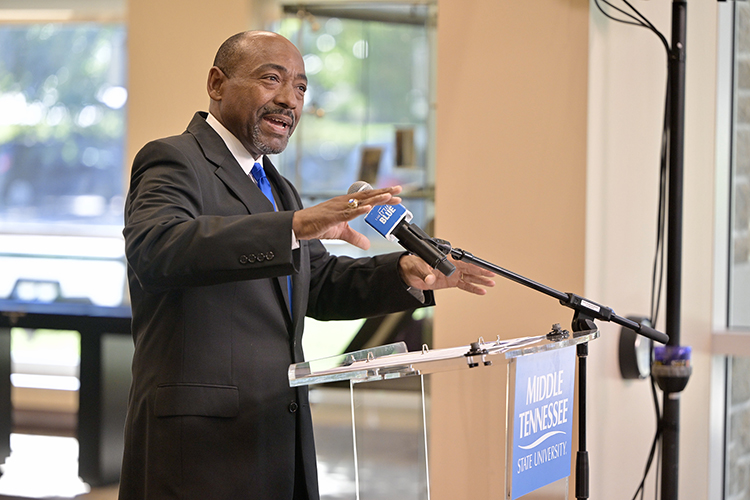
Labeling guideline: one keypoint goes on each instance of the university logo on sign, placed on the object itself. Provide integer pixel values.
(543, 419)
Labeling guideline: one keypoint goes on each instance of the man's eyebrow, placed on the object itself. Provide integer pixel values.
(280, 69)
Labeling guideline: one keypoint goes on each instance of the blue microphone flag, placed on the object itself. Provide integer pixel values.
(385, 218)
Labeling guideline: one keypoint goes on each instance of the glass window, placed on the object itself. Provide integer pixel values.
(368, 107)
(368, 116)
(62, 126)
(739, 291)
(62, 122)
(737, 444)
(737, 482)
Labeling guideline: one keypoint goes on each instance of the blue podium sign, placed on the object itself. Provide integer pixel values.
(542, 433)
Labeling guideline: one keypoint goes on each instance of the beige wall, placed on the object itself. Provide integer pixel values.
(511, 179)
(171, 45)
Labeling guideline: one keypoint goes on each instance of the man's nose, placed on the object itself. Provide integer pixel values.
(286, 97)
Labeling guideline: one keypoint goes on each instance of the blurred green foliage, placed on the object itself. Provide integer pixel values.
(62, 121)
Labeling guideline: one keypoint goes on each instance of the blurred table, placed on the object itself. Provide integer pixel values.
(106, 354)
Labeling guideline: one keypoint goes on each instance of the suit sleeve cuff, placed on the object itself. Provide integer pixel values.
(295, 241)
(416, 293)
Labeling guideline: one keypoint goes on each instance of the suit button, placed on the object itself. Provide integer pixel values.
(270, 256)
(293, 406)
(261, 256)
(243, 259)
(251, 258)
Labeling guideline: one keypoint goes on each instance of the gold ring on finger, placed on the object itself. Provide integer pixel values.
(353, 204)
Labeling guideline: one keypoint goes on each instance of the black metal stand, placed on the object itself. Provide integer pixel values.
(582, 323)
(673, 379)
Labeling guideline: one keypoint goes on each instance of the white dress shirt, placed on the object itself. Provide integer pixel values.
(243, 157)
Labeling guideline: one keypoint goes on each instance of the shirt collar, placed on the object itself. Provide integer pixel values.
(243, 157)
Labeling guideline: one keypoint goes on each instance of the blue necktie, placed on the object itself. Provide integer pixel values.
(260, 178)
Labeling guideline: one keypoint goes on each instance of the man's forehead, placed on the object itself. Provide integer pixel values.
(265, 51)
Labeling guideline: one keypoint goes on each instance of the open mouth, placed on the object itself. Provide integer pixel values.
(281, 124)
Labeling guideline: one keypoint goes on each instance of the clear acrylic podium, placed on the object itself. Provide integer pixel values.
(393, 361)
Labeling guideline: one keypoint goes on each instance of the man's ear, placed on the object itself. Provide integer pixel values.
(216, 78)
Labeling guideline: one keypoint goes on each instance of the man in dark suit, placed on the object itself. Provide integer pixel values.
(211, 413)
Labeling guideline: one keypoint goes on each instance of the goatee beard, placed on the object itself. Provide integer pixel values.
(262, 146)
(257, 136)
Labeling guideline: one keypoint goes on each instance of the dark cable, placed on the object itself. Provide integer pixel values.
(650, 26)
(657, 276)
(654, 444)
(639, 21)
(606, 14)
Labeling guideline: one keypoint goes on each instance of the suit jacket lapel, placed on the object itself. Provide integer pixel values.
(234, 178)
(229, 171)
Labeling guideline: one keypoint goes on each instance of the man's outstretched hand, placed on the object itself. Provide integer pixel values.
(418, 274)
(330, 219)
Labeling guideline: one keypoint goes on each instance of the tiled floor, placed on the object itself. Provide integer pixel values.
(106, 493)
(46, 467)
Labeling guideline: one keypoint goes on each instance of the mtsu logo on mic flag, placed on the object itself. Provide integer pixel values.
(385, 218)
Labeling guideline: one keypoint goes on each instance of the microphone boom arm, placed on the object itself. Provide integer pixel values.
(584, 309)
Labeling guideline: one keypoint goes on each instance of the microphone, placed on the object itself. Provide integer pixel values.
(393, 223)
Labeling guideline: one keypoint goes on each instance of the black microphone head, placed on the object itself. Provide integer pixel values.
(656, 335)
(359, 186)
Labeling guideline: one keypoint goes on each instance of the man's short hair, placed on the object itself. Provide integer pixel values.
(228, 55)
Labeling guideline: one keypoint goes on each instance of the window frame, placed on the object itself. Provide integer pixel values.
(725, 341)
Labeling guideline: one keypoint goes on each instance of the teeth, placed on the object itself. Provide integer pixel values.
(283, 124)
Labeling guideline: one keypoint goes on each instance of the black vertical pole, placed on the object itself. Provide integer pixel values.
(6, 408)
(582, 457)
(671, 409)
(89, 407)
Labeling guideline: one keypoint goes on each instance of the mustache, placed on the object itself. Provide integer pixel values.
(278, 111)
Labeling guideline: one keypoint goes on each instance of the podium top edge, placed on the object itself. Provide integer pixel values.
(394, 361)
(578, 338)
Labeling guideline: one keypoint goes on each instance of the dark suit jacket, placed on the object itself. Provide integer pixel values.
(211, 414)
